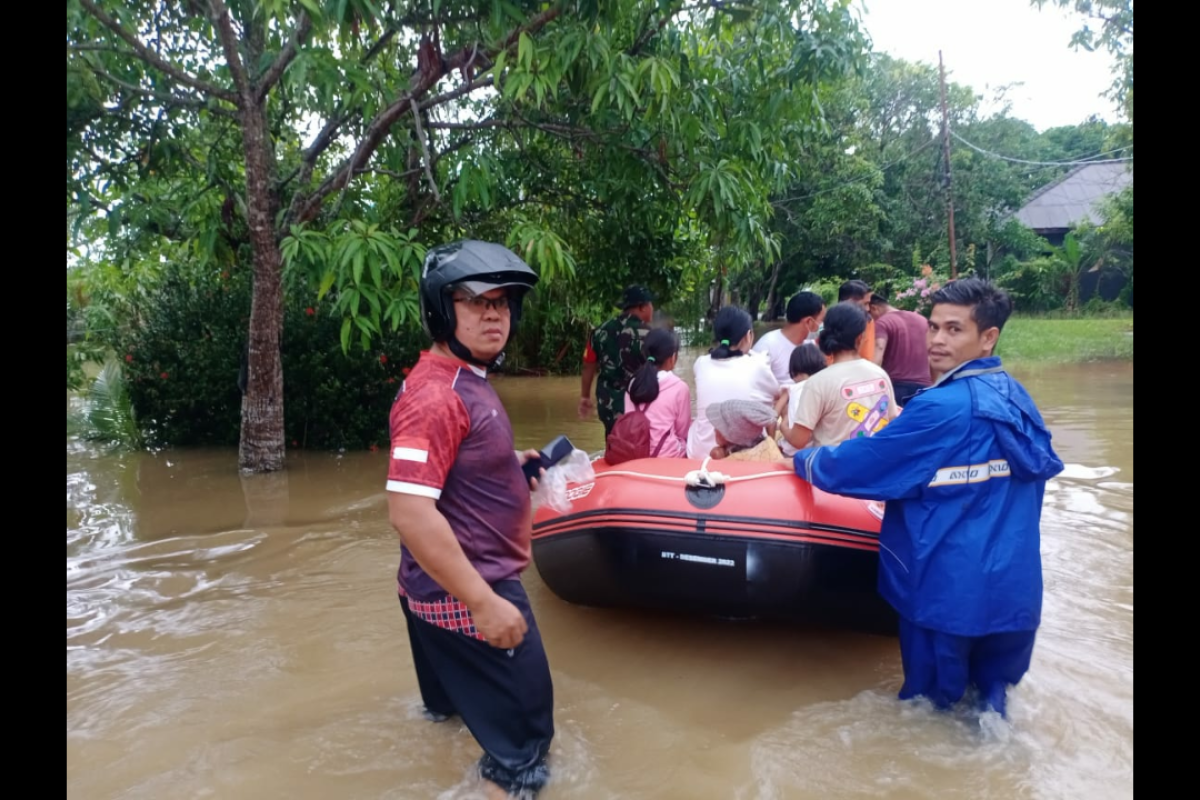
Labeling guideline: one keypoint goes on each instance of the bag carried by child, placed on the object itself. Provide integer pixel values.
(630, 438)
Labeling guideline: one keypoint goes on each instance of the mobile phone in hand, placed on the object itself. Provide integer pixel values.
(548, 456)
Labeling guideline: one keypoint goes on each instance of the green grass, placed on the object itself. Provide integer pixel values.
(1046, 340)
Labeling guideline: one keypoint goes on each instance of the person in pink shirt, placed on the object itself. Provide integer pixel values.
(662, 395)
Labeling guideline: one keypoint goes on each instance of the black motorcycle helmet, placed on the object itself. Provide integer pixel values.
(478, 267)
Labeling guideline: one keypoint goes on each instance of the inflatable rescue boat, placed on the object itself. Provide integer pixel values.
(725, 538)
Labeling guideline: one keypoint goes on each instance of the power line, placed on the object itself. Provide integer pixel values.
(1097, 159)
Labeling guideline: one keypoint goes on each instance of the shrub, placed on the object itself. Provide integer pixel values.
(912, 294)
(185, 359)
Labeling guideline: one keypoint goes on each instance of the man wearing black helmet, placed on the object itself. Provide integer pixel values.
(460, 502)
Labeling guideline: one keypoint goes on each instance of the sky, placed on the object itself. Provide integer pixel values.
(988, 43)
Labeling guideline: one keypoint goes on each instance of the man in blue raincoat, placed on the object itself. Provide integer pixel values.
(963, 470)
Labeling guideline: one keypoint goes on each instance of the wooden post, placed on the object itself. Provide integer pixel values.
(946, 150)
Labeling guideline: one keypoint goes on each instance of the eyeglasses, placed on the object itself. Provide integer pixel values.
(479, 303)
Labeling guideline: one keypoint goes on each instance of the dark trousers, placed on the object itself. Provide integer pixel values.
(940, 666)
(505, 697)
(904, 391)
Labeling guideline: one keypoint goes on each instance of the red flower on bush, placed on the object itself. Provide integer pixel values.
(390, 380)
(383, 359)
(163, 375)
(310, 311)
(406, 370)
(374, 448)
(129, 358)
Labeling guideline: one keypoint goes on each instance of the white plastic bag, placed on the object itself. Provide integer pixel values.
(552, 487)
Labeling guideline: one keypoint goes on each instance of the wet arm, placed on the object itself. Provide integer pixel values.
(589, 375)
(586, 404)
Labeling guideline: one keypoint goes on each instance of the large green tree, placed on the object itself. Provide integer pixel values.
(338, 137)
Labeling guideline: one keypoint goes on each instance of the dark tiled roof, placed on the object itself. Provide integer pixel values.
(1073, 197)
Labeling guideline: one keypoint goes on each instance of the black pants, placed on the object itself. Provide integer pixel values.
(505, 697)
(904, 391)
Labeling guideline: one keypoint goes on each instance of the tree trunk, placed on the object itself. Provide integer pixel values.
(753, 300)
(717, 296)
(262, 445)
(771, 291)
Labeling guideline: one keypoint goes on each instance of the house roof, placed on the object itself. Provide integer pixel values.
(1072, 198)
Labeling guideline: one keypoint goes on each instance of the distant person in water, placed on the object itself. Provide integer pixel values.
(805, 312)
(900, 348)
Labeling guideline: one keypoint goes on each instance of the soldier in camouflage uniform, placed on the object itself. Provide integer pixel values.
(613, 354)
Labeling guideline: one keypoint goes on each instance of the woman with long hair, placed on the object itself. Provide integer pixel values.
(662, 395)
(730, 371)
(851, 397)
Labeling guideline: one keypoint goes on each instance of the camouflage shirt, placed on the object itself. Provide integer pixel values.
(617, 349)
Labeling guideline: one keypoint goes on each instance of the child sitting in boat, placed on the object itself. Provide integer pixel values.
(806, 360)
(745, 431)
(662, 395)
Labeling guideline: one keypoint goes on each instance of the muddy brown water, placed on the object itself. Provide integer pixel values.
(240, 638)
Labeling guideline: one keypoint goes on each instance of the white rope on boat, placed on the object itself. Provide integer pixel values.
(697, 477)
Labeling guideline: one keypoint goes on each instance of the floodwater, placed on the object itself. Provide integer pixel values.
(240, 638)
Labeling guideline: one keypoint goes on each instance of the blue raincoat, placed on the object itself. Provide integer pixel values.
(963, 471)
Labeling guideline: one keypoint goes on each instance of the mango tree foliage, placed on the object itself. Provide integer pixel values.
(341, 138)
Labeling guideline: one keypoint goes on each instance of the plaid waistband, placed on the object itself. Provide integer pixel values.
(446, 613)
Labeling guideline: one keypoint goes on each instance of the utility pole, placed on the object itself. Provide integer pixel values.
(946, 153)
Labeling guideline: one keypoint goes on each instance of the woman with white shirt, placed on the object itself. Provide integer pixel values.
(730, 371)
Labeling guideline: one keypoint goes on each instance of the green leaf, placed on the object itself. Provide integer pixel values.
(393, 260)
(350, 248)
(633, 95)
(346, 335)
(513, 12)
(326, 284)
(525, 50)
(598, 98)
